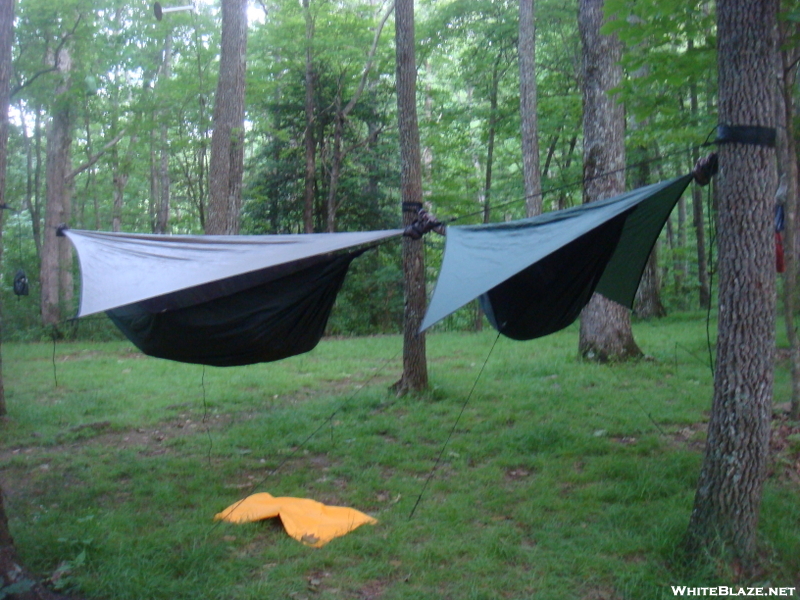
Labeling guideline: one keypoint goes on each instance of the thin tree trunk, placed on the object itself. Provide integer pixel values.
(155, 186)
(120, 180)
(164, 183)
(336, 164)
(726, 506)
(36, 212)
(415, 368)
(162, 200)
(227, 139)
(681, 264)
(487, 183)
(32, 158)
(647, 304)
(605, 331)
(527, 108)
(309, 142)
(698, 220)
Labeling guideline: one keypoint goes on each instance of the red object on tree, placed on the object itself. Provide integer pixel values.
(780, 265)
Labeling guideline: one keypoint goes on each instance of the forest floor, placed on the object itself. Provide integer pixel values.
(556, 479)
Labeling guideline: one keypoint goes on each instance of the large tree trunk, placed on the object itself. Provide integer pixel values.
(728, 497)
(605, 332)
(11, 571)
(415, 367)
(527, 108)
(227, 140)
(56, 171)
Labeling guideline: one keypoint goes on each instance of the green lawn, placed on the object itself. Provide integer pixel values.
(562, 479)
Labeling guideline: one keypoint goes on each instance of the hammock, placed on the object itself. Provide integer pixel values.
(534, 276)
(217, 300)
(236, 300)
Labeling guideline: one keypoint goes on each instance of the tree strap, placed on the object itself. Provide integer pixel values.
(424, 223)
(414, 207)
(752, 135)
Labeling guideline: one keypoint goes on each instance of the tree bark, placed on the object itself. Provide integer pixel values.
(698, 220)
(728, 498)
(56, 170)
(605, 331)
(161, 172)
(227, 140)
(527, 108)
(647, 304)
(415, 368)
(6, 37)
(309, 142)
(492, 133)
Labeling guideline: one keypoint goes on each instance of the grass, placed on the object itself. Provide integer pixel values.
(562, 479)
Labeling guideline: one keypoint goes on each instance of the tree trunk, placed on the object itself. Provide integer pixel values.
(527, 108)
(487, 182)
(415, 368)
(160, 183)
(728, 498)
(11, 571)
(56, 171)
(605, 331)
(6, 37)
(227, 139)
(309, 142)
(681, 263)
(155, 186)
(647, 304)
(698, 221)
(336, 163)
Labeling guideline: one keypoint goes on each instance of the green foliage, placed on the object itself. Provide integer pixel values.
(119, 86)
(670, 63)
(562, 479)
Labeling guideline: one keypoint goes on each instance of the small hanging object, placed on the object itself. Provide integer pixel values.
(780, 261)
(159, 11)
(21, 283)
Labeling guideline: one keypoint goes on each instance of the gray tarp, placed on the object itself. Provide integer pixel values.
(539, 272)
(118, 269)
